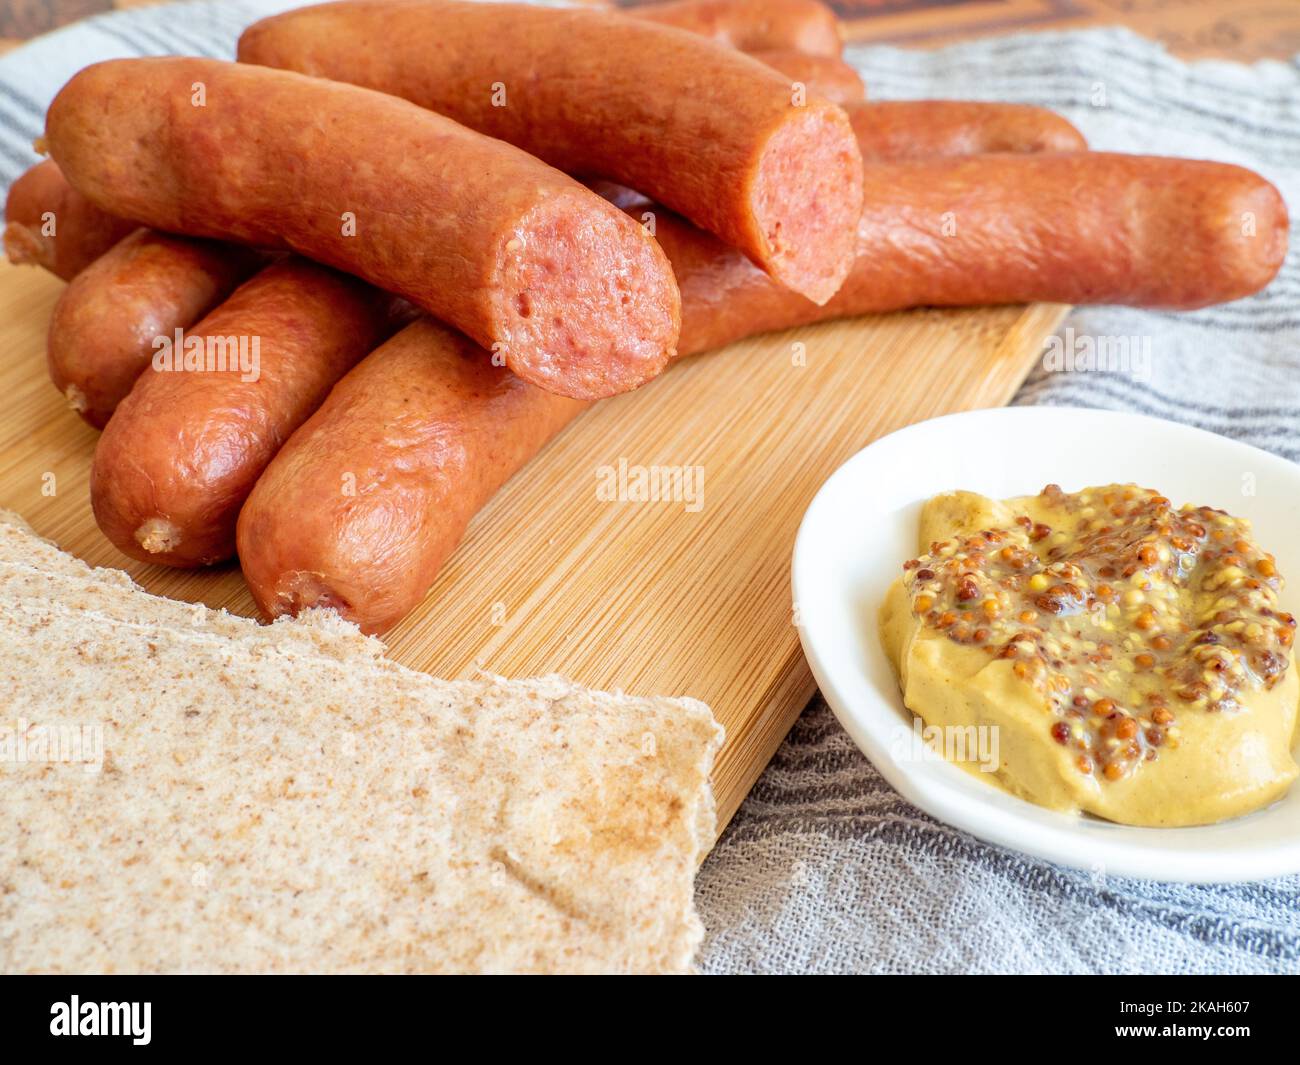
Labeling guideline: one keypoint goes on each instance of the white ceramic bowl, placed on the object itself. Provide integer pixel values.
(862, 525)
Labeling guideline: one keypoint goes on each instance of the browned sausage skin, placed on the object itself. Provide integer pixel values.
(184, 449)
(710, 132)
(894, 130)
(1070, 228)
(886, 131)
(824, 75)
(158, 283)
(1084, 227)
(49, 224)
(753, 25)
(514, 253)
(103, 328)
(392, 467)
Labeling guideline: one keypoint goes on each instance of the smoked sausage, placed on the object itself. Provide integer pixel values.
(564, 288)
(402, 454)
(1081, 228)
(427, 432)
(710, 132)
(894, 130)
(100, 336)
(753, 25)
(102, 331)
(827, 76)
(177, 460)
(49, 224)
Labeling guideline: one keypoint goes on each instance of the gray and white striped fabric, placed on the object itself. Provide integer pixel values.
(826, 868)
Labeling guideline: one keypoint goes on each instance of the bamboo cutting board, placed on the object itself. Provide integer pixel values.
(656, 598)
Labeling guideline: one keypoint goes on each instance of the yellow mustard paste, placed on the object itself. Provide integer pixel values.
(1131, 656)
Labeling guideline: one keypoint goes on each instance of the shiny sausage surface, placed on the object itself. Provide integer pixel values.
(49, 224)
(184, 449)
(383, 479)
(103, 328)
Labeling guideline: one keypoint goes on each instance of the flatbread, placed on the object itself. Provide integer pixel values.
(282, 798)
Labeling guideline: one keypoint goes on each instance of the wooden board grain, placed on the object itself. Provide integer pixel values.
(650, 597)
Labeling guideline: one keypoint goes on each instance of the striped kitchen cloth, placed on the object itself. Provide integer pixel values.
(825, 868)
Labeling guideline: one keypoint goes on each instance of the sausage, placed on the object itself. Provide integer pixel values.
(827, 76)
(100, 334)
(754, 25)
(103, 327)
(51, 225)
(429, 432)
(510, 251)
(892, 130)
(800, 38)
(421, 464)
(712, 133)
(184, 449)
(1080, 228)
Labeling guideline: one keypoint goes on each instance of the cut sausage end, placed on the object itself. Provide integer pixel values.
(590, 300)
(807, 198)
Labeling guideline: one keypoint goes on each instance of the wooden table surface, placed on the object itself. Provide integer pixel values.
(1234, 29)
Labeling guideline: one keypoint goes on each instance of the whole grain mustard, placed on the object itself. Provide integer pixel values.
(1132, 655)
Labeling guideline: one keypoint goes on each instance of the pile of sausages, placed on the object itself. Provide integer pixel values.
(453, 226)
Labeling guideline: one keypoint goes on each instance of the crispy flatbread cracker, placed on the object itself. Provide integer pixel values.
(187, 791)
